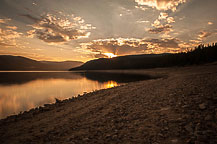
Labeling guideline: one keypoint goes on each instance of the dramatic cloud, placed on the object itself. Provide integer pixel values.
(164, 43)
(161, 29)
(169, 45)
(55, 29)
(8, 35)
(129, 46)
(161, 4)
(119, 46)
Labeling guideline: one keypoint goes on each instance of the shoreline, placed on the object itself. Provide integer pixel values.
(179, 108)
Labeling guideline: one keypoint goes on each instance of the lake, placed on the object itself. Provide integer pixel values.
(21, 91)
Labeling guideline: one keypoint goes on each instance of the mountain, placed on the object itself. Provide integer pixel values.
(201, 54)
(8, 62)
(121, 62)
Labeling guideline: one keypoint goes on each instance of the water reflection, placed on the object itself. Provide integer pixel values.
(111, 84)
(21, 91)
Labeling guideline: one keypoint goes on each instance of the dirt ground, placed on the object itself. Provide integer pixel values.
(179, 108)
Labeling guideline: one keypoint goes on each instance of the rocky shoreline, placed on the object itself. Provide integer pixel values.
(180, 108)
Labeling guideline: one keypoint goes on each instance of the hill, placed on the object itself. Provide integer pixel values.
(8, 62)
(201, 54)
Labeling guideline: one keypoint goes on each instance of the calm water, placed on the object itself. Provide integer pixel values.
(21, 91)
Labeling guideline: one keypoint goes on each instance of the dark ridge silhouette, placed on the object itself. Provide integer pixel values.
(200, 55)
(8, 62)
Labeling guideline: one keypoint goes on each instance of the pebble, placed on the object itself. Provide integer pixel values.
(189, 127)
(208, 118)
(174, 141)
(202, 106)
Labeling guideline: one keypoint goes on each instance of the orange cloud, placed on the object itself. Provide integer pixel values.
(131, 46)
(8, 35)
(56, 29)
(161, 4)
(163, 15)
(161, 29)
(11, 27)
(170, 20)
(204, 34)
(156, 23)
(210, 23)
(4, 21)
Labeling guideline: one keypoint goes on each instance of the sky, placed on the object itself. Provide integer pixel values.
(82, 30)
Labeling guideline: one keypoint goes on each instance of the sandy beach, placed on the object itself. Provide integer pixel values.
(179, 107)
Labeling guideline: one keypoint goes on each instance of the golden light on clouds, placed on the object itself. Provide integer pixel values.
(77, 30)
(59, 28)
(161, 4)
(8, 33)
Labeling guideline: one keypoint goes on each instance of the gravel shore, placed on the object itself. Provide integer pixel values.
(178, 108)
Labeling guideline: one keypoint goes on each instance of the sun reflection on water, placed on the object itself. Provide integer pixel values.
(111, 84)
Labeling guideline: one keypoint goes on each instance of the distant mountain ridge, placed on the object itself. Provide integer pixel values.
(9, 62)
(121, 62)
(201, 54)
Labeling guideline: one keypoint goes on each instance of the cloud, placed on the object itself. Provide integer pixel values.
(11, 27)
(158, 27)
(210, 23)
(131, 46)
(170, 20)
(55, 29)
(141, 7)
(168, 45)
(118, 46)
(164, 43)
(3, 21)
(156, 23)
(161, 29)
(163, 15)
(8, 35)
(195, 41)
(203, 35)
(141, 21)
(161, 4)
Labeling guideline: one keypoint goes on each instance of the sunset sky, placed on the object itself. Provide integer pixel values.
(82, 30)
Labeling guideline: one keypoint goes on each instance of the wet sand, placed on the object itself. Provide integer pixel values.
(180, 108)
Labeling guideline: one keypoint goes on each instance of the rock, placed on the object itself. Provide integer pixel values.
(114, 136)
(57, 100)
(189, 128)
(208, 118)
(174, 140)
(46, 105)
(202, 106)
(86, 139)
(161, 135)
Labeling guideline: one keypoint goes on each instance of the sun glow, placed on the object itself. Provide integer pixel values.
(110, 55)
(111, 84)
